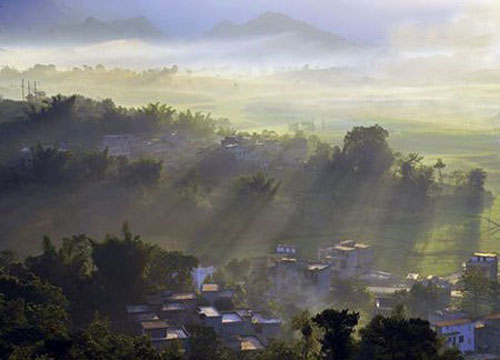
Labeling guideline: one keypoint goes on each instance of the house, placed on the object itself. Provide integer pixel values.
(267, 327)
(210, 317)
(286, 250)
(179, 334)
(135, 312)
(292, 276)
(154, 328)
(348, 258)
(120, 144)
(176, 140)
(188, 299)
(487, 334)
(378, 278)
(234, 324)
(458, 333)
(486, 262)
(210, 292)
(385, 297)
(216, 296)
(175, 313)
(319, 276)
(384, 304)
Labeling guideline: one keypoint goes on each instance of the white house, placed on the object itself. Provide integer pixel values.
(458, 333)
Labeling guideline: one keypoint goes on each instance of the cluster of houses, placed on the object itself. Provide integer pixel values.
(167, 316)
(469, 335)
(292, 277)
(262, 154)
(349, 259)
(130, 145)
(246, 150)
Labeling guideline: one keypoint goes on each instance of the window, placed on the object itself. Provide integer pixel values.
(460, 339)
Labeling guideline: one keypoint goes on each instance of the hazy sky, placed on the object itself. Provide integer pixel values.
(356, 19)
(362, 19)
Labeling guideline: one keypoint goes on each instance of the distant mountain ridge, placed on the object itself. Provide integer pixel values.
(92, 30)
(269, 24)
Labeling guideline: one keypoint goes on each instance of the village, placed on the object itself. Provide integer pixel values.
(166, 316)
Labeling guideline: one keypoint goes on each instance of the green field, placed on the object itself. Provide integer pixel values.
(457, 122)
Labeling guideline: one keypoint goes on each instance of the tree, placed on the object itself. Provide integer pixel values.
(255, 187)
(169, 270)
(205, 345)
(309, 344)
(279, 350)
(32, 314)
(397, 338)
(155, 115)
(70, 268)
(143, 172)
(476, 179)
(350, 293)
(48, 164)
(366, 151)
(338, 326)
(121, 269)
(474, 286)
(423, 299)
(439, 166)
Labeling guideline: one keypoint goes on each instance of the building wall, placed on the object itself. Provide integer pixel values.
(459, 336)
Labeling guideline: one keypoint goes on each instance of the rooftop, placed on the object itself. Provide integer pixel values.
(176, 334)
(344, 248)
(362, 246)
(386, 290)
(453, 322)
(154, 324)
(259, 319)
(208, 311)
(317, 267)
(146, 317)
(485, 254)
(250, 343)
(492, 317)
(135, 309)
(231, 318)
(210, 288)
(173, 307)
(183, 296)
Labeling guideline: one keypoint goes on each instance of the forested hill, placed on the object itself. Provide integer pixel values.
(202, 200)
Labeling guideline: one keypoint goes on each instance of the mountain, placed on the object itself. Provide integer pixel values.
(276, 24)
(94, 30)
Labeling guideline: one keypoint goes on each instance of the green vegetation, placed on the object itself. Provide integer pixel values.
(217, 208)
(42, 321)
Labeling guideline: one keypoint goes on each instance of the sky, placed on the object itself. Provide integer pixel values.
(369, 20)
(443, 35)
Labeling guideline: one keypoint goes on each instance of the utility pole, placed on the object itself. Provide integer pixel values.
(29, 88)
(22, 89)
(34, 91)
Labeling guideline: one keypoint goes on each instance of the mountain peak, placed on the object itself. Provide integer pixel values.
(271, 24)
